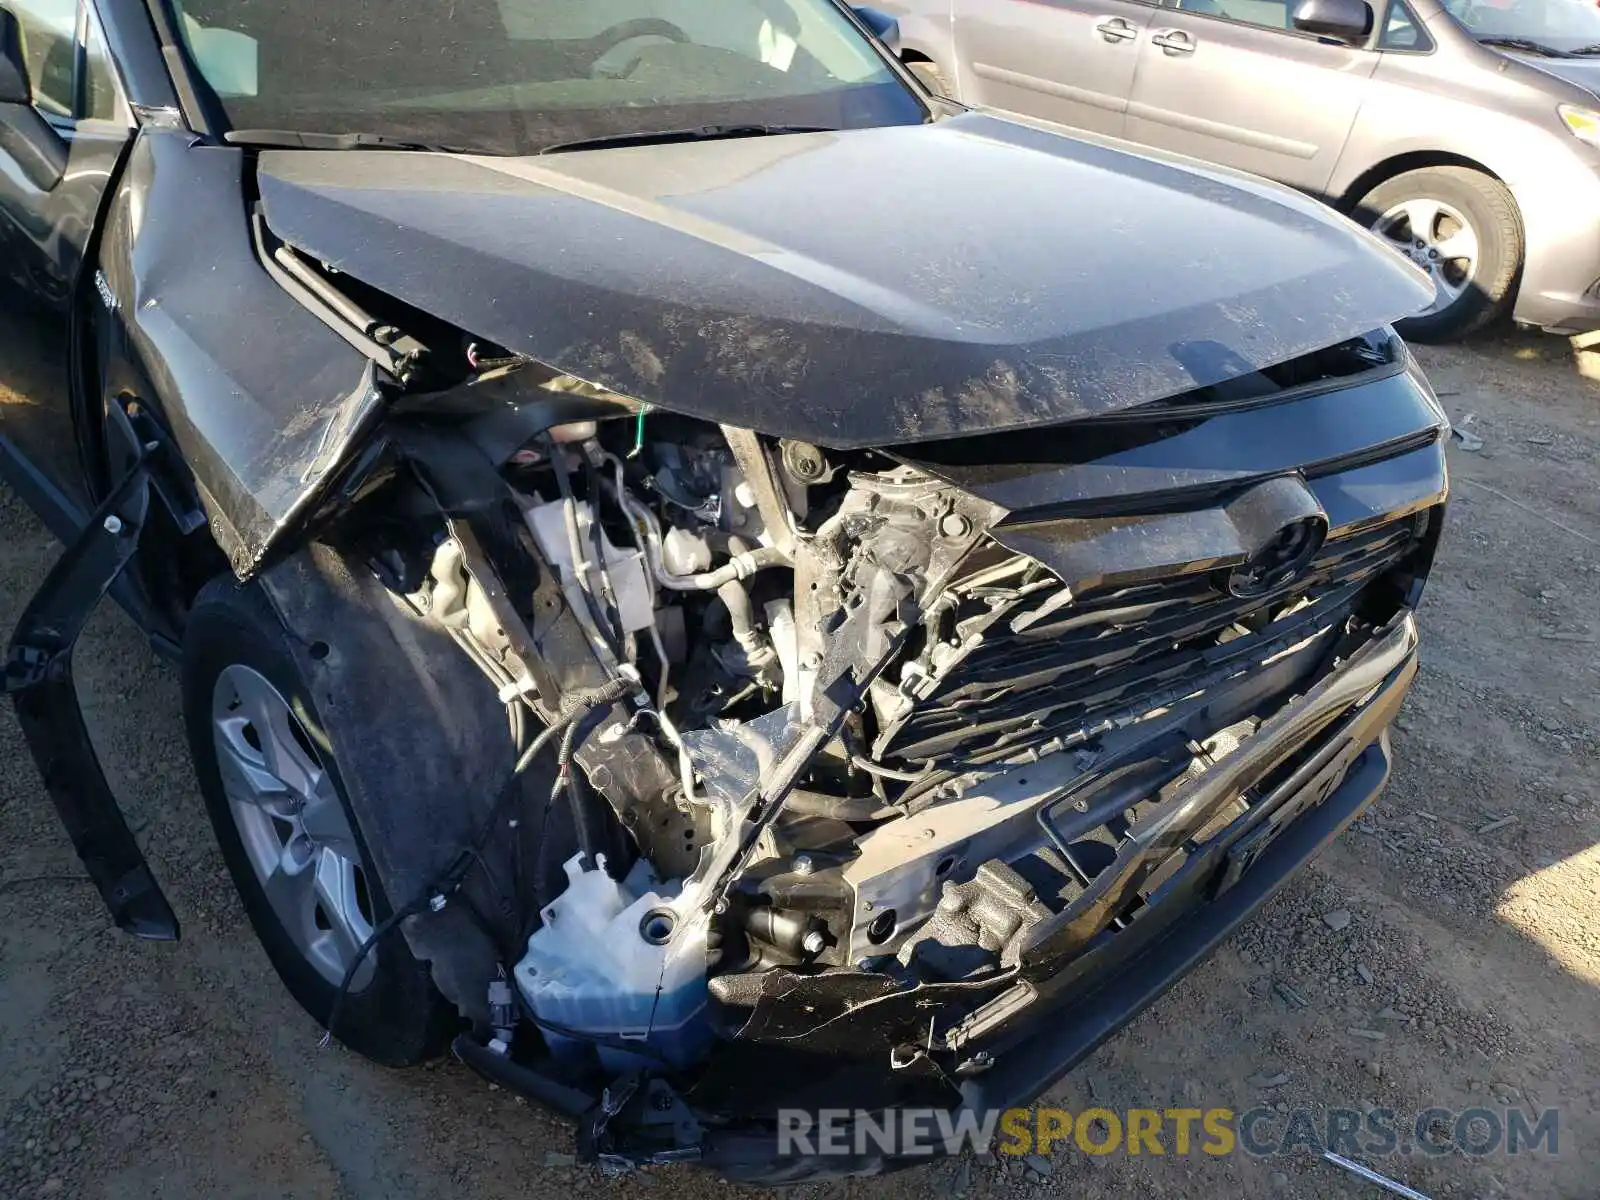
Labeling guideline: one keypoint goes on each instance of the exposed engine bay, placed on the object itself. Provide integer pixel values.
(837, 749)
(693, 758)
(709, 571)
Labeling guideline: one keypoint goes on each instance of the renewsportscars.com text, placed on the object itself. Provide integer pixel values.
(1258, 1132)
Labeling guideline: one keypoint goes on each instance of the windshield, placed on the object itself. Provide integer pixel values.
(1559, 24)
(516, 76)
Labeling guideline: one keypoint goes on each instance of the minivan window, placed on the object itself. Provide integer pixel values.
(1402, 30)
(1273, 14)
(1562, 25)
(102, 99)
(512, 76)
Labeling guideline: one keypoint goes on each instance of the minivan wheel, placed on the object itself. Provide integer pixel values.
(278, 807)
(1461, 227)
(930, 77)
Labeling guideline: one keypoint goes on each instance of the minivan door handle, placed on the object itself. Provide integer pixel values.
(1173, 41)
(1115, 29)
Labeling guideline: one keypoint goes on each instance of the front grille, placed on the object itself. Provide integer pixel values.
(1036, 664)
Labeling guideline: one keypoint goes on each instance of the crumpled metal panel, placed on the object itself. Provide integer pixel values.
(264, 400)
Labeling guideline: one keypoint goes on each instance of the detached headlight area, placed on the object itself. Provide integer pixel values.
(1582, 123)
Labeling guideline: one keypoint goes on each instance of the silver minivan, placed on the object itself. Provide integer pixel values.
(1465, 132)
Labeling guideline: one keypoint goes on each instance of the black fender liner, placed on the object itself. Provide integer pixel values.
(423, 748)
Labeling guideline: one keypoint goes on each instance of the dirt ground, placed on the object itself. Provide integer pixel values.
(1472, 946)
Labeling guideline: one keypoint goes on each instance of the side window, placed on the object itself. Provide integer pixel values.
(228, 58)
(49, 47)
(102, 96)
(1402, 30)
(1270, 14)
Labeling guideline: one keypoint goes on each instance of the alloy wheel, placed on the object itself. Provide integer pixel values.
(1439, 239)
(292, 824)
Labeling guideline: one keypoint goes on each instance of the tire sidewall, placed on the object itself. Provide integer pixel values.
(930, 77)
(398, 1018)
(1498, 248)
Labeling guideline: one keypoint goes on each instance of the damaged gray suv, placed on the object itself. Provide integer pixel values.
(704, 579)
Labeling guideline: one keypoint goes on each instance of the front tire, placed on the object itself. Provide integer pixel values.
(283, 824)
(930, 77)
(1463, 228)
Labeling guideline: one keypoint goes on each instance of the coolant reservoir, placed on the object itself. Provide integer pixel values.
(626, 568)
(612, 960)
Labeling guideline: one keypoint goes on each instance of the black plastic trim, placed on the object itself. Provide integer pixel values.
(66, 521)
(133, 43)
(38, 678)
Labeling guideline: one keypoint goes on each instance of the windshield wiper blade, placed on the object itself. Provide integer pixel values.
(1519, 43)
(1585, 51)
(299, 139)
(700, 133)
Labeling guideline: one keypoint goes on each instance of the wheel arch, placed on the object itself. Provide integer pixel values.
(241, 629)
(421, 742)
(1398, 164)
(1494, 190)
(928, 38)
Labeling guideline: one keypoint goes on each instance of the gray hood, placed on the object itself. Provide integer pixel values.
(859, 288)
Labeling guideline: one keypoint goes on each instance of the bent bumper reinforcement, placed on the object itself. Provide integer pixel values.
(1076, 1008)
(1049, 1048)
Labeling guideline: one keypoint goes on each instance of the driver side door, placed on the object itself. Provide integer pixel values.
(58, 154)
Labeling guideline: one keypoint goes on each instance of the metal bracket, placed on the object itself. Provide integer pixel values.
(38, 678)
(639, 1120)
(751, 457)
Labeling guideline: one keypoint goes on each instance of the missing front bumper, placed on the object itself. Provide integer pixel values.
(1066, 1032)
(1072, 995)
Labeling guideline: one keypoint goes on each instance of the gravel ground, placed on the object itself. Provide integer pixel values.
(1463, 970)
